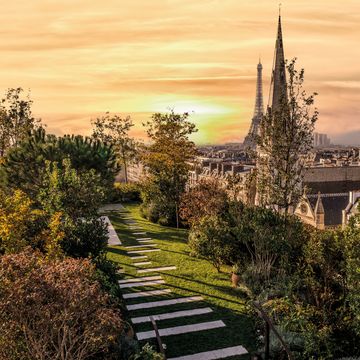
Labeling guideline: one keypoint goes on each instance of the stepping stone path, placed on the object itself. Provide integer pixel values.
(142, 251)
(138, 246)
(176, 330)
(171, 315)
(138, 257)
(113, 238)
(126, 281)
(215, 354)
(157, 269)
(144, 283)
(164, 303)
(146, 293)
(138, 282)
(142, 263)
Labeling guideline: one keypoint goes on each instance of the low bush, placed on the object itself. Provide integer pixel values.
(52, 307)
(85, 238)
(122, 192)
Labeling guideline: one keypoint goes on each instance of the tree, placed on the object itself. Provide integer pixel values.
(352, 263)
(16, 119)
(212, 240)
(266, 247)
(167, 161)
(114, 130)
(54, 309)
(207, 197)
(76, 193)
(24, 166)
(285, 138)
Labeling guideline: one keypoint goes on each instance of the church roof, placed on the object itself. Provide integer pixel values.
(333, 205)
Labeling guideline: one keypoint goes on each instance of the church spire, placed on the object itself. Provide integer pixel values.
(278, 80)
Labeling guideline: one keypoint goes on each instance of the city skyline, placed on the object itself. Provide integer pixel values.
(81, 60)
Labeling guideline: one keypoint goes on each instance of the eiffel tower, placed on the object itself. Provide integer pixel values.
(250, 140)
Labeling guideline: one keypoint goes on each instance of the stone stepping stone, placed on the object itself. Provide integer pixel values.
(177, 330)
(214, 354)
(153, 304)
(172, 315)
(139, 233)
(144, 283)
(157, 269)
(138, 257)
(142, 251)
(120, 271)
(142, 263)
(137, 246)
(113, 238)
(142, 239)
(137, 279)
(145, 241)
(146, 293)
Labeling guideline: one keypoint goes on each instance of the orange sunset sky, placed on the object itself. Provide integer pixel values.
(83, 58)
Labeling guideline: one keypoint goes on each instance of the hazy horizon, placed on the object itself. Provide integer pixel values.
(81, 59)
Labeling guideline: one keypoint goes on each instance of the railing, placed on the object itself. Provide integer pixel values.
(158, 338)
(270, 326)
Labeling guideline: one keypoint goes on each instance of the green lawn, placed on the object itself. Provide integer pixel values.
(192, 277)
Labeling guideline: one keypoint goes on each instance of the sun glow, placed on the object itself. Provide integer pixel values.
(191, 105)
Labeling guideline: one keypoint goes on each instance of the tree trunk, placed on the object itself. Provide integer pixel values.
(177, 215)
(125, 171)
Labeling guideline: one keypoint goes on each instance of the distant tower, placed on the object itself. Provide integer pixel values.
(278, 87)
(249, 141)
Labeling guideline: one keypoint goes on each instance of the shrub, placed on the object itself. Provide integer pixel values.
(147, 353)
(73, 192)
(21, 225)
(211, 239)
(125, 192)
(85, 238)
(52, 307)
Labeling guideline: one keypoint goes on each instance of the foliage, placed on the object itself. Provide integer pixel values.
(167, 162)
(24, 166)
(352, 266)
(125, 192)
(114, 130)
(21, 225)
(106, 274)
(285, 137)
(207, 197)
(85, 238)
(75, 193)
(53, 309)
(317, 303)
(211, 239)
(16, 119)
(267, 244)
(147, 353)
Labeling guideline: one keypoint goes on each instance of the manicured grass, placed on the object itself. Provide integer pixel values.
(192, 277)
